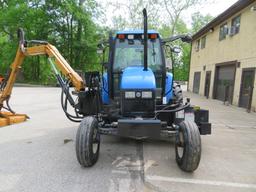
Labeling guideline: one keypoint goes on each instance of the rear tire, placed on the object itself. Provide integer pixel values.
(188, 146)
(88, 142)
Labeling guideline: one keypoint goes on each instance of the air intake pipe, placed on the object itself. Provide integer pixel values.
(145, 39)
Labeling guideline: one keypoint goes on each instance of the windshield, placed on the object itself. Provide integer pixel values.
(130, 53)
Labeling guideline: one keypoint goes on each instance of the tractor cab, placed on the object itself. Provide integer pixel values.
(135, 87)
(129, 52)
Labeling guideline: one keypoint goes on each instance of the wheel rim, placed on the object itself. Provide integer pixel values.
(180, 145)
(95, 144)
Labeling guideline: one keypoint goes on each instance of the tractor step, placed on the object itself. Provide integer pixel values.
(8, 118)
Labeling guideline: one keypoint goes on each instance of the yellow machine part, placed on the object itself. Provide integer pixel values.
(41, 48)
(7, 118)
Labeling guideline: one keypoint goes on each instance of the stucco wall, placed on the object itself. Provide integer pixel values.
(240, 47)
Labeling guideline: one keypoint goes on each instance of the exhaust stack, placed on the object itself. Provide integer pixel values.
(145, 39)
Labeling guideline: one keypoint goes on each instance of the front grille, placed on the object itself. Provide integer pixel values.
(137, 106)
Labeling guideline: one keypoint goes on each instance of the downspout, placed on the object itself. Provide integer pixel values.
(189, 64)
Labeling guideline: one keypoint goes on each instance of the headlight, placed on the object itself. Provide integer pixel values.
(147, 94)
(129, 94)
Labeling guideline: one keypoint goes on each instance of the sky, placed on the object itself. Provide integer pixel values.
(214, 8)
(217, 7)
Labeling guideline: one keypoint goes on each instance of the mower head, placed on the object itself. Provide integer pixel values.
(8, 118)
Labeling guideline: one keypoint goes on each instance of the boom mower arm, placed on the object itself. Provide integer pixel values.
(184, 38)
(55, 59)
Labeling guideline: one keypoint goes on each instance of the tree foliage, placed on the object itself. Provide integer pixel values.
(166, 17)
(70, 26)
(132, 15)
(67, 24)
(178, 26)
(180, 61)
(175, 8)
(199, 21)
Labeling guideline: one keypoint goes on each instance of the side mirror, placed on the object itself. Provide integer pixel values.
(100, 48)
(168, 63)
(176, 50)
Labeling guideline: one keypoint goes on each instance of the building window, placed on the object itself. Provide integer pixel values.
(203, 42)
(198, 45)
(223, 31)
(235, 25)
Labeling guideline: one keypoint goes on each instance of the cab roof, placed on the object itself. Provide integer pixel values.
(138, 31)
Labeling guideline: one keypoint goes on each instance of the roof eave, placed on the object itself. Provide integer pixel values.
(238, 6)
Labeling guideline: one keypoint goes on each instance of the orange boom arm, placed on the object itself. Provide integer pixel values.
(55, 58)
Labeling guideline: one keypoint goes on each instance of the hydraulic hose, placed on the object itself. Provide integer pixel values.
(64, 103)
(171, 111)
(9, 107)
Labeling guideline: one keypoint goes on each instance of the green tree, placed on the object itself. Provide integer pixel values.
(158, 12)
(199, 21)
(181, 61)
(66, 24)
(175, 8)
(119, 22)
(131, 15)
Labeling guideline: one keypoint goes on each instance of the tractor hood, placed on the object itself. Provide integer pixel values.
(137, 78)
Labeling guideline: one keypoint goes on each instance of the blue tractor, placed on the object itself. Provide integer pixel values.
(136, 97)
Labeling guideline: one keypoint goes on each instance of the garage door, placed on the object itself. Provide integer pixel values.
(224, 82)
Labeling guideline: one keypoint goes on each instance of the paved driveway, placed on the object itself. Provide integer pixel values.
(39, 155)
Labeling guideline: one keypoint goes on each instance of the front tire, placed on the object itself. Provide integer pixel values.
(88, 142)
(177, 92)
(188, 146)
